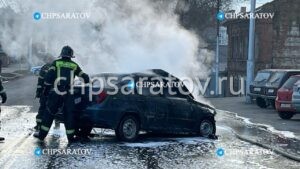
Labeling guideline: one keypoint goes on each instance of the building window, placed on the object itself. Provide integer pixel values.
(235, 47)
(232, 47)
(241, 45)
(246, 47)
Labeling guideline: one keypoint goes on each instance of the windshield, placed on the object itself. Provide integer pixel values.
(290, 82)
(262, 76)
(276, 77)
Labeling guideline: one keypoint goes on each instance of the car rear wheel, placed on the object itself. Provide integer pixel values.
(207, 128)
(285, 115)
(260, 102)
(128, 129)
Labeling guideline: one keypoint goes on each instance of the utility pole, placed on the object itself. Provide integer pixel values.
(217, 53)
(30, 53)
(250, 61)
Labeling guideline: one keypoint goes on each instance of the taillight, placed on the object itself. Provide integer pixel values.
(101, 97)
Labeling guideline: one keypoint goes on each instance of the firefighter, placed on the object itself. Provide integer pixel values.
(58, 83)
(39, 93)
(4, 98)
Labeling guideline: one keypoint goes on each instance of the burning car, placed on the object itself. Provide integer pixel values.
(142, 110)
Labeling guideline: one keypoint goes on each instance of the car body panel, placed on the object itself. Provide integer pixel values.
(257, 87)
(277, 80)
(155, 113)
(285, 95)
(296, 97)
(270, 88)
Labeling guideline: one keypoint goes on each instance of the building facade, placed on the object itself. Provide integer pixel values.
(277, 39)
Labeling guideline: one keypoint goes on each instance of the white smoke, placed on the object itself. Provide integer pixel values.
(119, 35)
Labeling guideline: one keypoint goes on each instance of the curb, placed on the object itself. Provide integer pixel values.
(289, 156)
(14, 76)
(244, 138)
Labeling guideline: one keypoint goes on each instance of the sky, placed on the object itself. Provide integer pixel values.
(237, 4)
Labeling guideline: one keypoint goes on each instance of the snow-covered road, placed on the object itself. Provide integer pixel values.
(152, 151)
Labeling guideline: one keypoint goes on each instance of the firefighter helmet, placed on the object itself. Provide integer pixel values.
(67, 51)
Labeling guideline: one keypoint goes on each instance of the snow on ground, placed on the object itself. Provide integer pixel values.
(287, 134)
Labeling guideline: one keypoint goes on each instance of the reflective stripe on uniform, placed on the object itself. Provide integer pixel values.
(39, 86)
(80, 74)
(39, 120)
(48, 84)
(72, 131)
(41, 77)
(64, 64)
(52, 68)
(45, 128)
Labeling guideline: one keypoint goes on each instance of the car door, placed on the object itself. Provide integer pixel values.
(158, 109)
(180, 116)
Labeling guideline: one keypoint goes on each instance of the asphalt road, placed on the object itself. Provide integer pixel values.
(255, 114)
(21, 91)
(151, 151)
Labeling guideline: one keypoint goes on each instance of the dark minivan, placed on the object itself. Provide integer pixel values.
(278, 78)
(258, 86)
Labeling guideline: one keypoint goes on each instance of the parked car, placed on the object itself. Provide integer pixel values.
(129, 114)
(257, 88)
(277, 79)
(4, 58)
(296, 99)
(35, 70)
(283, 102)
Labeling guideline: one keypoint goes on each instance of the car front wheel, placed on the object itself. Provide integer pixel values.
(285, 115)
(128, 129)
(207, 128)
(260, 102)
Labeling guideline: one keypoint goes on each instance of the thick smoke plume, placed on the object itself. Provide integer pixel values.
(119, 36)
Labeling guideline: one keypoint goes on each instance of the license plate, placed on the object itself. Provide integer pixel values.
(77, 100)
(285, 105)
(271, 91)
(257, 89)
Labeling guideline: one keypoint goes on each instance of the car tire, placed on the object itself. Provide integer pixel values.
(207, 128)
(128, 129)
(285, 115)
(85, 127)
(85, 131)
(260, 102)
(272, 103)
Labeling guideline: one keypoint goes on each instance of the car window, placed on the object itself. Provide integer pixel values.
(262, 76)
(276, 77)
(149, 87)
(160, 88)
(176, 91)
(108, 80)
(290, 82)
(144, 91)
